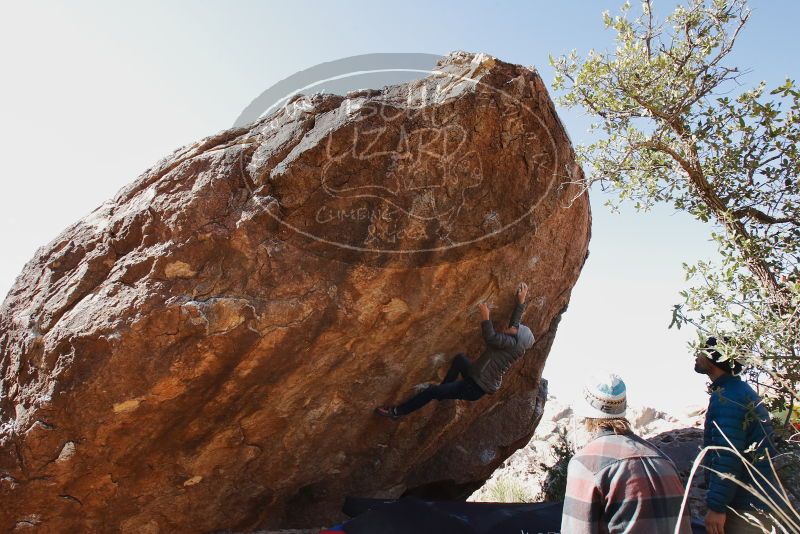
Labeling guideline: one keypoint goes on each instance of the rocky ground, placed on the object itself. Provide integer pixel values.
(521, 476)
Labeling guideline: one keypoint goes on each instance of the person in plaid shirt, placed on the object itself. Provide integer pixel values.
(619, 482)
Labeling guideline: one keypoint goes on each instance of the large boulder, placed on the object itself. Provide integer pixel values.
(205, 350)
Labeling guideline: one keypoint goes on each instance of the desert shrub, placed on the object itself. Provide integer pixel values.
(787, 462)
(554, 485)
(507, 489)
(669, 132)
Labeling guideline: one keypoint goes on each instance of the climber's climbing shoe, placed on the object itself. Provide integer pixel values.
(389, 411)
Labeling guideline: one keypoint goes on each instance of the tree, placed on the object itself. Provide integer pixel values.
(669, 134)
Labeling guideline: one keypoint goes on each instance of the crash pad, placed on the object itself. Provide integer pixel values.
(409, 514)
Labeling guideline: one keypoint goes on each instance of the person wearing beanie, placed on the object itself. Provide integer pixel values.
(619, 482)
(485, 375)
(729, 365)
(737, 415)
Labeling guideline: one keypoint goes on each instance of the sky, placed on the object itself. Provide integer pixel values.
(94, 93)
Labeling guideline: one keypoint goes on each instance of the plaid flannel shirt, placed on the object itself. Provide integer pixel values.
(621, 483)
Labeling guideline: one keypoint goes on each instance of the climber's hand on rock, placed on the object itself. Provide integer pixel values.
(522, 292)
(484, 311)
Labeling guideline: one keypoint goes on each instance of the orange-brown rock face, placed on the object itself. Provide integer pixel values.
(205, 350)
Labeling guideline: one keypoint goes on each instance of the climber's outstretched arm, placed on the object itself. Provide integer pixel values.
(522, 294)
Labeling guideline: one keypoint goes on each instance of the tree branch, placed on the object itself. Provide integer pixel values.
(762, 217)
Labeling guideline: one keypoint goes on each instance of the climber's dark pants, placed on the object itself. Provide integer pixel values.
(450, 388)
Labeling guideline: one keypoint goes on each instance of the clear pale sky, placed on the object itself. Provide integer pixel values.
(94, 93)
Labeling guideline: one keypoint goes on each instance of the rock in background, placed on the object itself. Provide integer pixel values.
(520, 478)
(204, 350)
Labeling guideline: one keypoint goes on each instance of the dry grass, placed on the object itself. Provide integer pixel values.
(785, 517)
(508, 489)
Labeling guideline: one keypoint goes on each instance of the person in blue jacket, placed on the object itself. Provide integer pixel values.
(736, 410)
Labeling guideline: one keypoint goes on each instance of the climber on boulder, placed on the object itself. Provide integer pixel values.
(485, 375)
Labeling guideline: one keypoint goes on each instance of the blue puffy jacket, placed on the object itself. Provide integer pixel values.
(740, 414)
